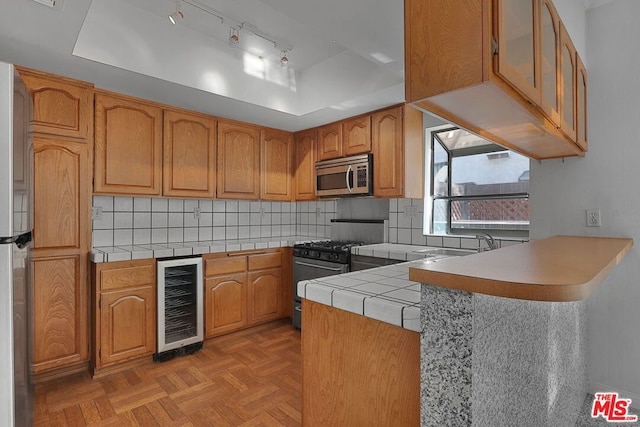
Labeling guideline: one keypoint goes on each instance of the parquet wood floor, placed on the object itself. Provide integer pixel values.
(249, 378)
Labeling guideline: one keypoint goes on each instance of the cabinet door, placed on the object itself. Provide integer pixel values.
(128, 147)
(356, 136)
(518, 46)
(567, 85)
(226, 304)
(60, 312)
(549, 50)
(276, 170)
(238, 161)
(388, 153)
(61, 195)
(265, 295)
(330, 141)
(304, 176)
(189, 167)
(581, 105)
(60, 107)
(127, 320)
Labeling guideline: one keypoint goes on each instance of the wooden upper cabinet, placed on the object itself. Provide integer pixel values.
(189, 167)
(517, 46)
(276, 169)
(61, 195)
(356, 135)
(238, 161)
(495, 68)
(305, 165)
(388, 153)
(329, 141)
(398, 152)
(568, 69)
(549, 63)
(128, 146)
(581, 105)
(62, 107)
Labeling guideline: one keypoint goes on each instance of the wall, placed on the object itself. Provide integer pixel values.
(606, 179)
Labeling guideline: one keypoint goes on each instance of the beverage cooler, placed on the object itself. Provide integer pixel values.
(180, 314)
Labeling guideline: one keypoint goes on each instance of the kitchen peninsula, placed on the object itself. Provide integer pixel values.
(503, 332)
(501, 336)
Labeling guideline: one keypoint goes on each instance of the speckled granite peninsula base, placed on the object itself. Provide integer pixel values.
(493, 361)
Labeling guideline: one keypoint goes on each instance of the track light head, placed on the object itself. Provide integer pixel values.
(284, 58)
(176, 16)
(234, 37)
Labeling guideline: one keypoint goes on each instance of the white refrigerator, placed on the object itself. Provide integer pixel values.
(16, 169)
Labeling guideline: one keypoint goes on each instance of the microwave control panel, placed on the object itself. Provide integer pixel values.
(361, 176)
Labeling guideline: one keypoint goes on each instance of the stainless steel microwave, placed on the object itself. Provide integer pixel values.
(348, 176)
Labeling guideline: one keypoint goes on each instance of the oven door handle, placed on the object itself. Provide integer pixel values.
(349, 170)
(322, 267)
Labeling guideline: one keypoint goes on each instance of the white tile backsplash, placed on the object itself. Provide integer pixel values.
(144, 220)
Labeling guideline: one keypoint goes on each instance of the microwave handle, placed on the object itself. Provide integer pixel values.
(347, 179)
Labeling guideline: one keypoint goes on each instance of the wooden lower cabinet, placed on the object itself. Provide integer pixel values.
(265, 295)
(127, 319)
(125, 312)
(243, 289)
(357, 371)
(60, 313)
(225, 298)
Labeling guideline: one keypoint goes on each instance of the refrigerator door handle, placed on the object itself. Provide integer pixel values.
(21, 240)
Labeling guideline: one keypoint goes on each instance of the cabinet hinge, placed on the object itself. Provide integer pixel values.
(494, 46)
(100, 303)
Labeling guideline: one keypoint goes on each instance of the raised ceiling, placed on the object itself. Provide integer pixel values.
(347, 57)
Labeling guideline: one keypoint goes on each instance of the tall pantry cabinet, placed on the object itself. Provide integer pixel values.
(63, 130)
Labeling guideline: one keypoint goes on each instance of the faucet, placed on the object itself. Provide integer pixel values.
(491, 242)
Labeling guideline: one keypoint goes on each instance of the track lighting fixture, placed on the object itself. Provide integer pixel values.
(235, 27)
(177, 15)
(234, 36)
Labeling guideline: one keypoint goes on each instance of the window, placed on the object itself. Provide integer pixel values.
(476, 185)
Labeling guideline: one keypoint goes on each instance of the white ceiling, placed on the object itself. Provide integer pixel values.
(129, 46)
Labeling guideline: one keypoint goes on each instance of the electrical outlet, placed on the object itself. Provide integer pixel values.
(96, 213)
(593, 218)
(196, 212)
(263, 213)
(318, 212)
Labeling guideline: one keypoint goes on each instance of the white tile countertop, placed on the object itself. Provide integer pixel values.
(406, 252)
(383, 293)
(165, 250)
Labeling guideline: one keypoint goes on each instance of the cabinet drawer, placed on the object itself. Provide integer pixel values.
(127, 277)
(262, 261)
(231, 264)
